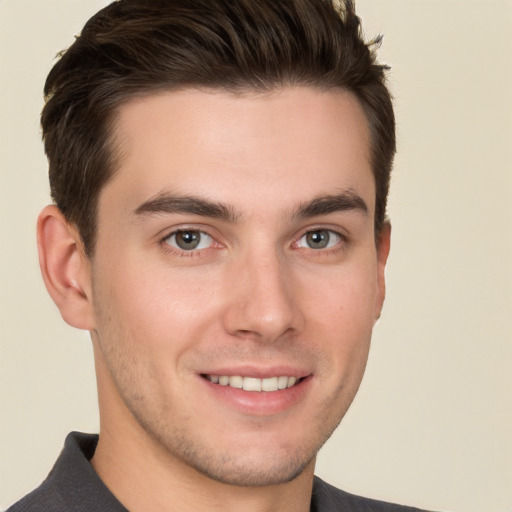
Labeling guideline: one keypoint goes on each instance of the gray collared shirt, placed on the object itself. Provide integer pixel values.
(74, 486)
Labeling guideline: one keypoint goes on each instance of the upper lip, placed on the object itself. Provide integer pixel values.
(259, 372)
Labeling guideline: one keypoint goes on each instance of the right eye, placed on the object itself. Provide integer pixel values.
(319, 239)
(189, 240)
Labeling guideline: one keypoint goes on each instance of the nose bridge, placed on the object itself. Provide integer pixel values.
(262, 303)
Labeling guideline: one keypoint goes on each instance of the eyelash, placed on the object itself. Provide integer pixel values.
(339, 246)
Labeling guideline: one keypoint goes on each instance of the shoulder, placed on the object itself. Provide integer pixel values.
(72, 485)
(327, 498)
(39, 500)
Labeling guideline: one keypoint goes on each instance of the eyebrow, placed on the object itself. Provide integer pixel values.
(169, 203)
(323, 205)
(165, 203)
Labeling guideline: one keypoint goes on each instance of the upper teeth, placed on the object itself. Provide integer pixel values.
(252, 383)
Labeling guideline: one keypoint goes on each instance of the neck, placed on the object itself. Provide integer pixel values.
(143, 479)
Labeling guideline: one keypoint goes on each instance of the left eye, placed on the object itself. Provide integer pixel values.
(189, 240)
(319, 239)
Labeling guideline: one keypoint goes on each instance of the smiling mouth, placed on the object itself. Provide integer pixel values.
(269, 384)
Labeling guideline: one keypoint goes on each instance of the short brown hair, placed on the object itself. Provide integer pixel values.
(135, 47)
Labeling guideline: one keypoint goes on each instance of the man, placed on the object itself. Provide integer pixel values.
(220, 171)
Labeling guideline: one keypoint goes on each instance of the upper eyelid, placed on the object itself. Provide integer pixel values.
(181, 230)
(168, 232)
(336, 230)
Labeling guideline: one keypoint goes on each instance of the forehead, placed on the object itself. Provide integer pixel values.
(292, 142)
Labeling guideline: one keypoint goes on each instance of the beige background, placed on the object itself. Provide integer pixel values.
(432, 423)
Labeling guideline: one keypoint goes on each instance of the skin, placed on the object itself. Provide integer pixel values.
(254, 299)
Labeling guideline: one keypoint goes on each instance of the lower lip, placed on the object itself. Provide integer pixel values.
(260, 403)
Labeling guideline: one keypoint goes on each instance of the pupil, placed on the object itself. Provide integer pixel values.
(318, 239)
(187, 239)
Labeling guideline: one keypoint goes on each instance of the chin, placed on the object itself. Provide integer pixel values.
(249, 473)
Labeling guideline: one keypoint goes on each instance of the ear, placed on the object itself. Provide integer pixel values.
(383, 246)
(65, 268)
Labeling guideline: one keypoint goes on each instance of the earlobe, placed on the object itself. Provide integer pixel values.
(383, 247)
(65, 268)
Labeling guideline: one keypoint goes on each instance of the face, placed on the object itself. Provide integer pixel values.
(236, 278)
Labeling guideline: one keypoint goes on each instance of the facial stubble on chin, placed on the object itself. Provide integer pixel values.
(233, 468)
(176, 443)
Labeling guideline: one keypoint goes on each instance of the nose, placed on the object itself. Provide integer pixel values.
(263, 302)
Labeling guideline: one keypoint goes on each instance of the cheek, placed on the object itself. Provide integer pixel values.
(342, 314)
(344, 297)
(146, 323)
(155, 310)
